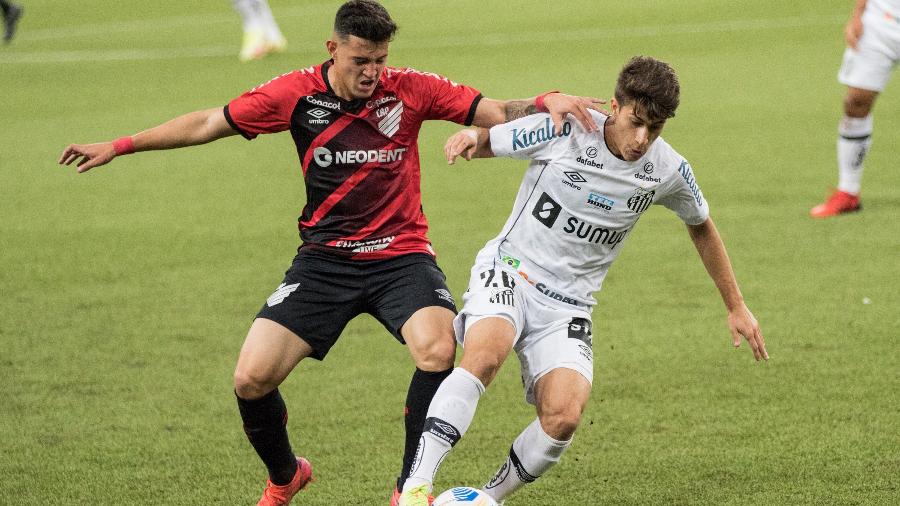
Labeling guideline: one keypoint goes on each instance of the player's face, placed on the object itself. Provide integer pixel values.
(631, 131)
(358, 64)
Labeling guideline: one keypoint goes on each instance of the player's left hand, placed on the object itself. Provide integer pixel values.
(560, 104)
(461, 143)
(742, 323)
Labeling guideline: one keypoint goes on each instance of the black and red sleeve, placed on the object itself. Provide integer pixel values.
(449, 101)
(264, 109)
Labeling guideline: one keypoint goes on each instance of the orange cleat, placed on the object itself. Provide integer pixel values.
(839, 202)
(281, 495)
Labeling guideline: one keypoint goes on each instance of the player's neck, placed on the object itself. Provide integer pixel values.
(609, 127)
(336, 85)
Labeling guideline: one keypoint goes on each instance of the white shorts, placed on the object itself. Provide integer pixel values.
(877, 53)
(549, 334)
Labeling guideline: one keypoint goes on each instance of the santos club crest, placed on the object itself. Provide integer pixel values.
(641, 200)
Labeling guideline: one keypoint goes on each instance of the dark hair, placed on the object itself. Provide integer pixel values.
(651, 85)
(366, 19)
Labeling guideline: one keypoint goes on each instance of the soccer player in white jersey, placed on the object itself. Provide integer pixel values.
(261, 33)
(873, 51)
(531, 287)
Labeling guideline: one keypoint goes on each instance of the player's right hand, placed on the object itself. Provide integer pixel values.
(461, 143)
(91, 155)
(853, 31)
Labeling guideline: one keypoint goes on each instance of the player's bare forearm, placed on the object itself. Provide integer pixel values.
(492, 112)
(194, 128)
(516, 109)
(741, 321)
(715, 258)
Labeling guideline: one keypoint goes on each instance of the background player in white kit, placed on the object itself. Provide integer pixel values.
(531, 286)
(873, 51)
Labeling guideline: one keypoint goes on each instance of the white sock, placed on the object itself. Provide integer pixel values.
(449, 416)
(251, 12)
(273, 33)
(855, 137)
(531, 455)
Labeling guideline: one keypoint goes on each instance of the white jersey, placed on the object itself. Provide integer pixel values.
(578, 203)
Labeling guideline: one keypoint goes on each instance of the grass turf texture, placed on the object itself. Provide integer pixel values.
(126, 292)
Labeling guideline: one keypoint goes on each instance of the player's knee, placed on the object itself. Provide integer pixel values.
(857, 106)
(250, 385)
(561, 423)
(438, 355)
(483, 366)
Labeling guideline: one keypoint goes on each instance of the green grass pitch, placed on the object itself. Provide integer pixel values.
(125, 293)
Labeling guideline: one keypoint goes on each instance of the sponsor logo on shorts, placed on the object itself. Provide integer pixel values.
(580, 328)
(444, 294)
(640, 200)
(545, 290)
(281, 293)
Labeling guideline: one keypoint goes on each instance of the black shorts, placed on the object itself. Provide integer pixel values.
(321, 293)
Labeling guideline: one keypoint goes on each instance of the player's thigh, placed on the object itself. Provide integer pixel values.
(559, 338)
(270, 352)
(409, 296)
(316, 299)
(488, 341)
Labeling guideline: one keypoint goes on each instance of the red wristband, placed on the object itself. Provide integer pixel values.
(539, 101)
(123, 145)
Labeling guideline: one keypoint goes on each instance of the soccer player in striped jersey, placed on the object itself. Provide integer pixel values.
(531, 287)
(355, 123)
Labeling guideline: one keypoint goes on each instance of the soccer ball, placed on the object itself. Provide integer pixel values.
(464, 496)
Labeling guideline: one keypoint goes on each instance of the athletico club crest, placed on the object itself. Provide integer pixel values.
(640, 200)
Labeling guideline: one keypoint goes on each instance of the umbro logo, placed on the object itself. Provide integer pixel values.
(445, 295)
(319, 114)
(281, 293)
(575, 177)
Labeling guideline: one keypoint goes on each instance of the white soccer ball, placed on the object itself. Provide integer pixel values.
(464, 496)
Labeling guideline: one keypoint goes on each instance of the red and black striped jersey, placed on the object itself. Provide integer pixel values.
(360, 158)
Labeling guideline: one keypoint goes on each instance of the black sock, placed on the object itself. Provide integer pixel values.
(265, 423)
(422, 388)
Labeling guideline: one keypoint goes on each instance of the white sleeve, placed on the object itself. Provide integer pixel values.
(683, 196)
(531, 137)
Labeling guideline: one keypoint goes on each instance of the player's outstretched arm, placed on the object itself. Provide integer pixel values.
(492, 112)
(469, 143)
(741, 321)
(198, 127)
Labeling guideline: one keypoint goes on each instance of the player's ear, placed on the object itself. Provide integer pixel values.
(613, 106)
(331, 46)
